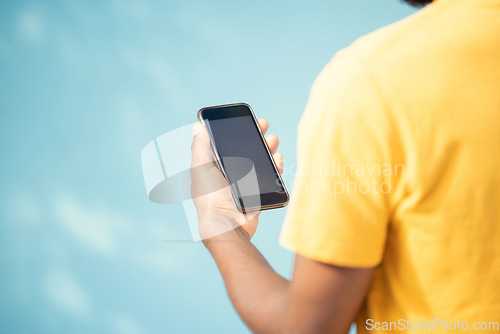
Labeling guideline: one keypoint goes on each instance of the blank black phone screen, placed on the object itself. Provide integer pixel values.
(238, 136)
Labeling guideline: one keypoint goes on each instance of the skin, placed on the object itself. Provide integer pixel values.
(319, 298)
(418, 3)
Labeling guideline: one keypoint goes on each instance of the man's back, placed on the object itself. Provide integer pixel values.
(425, 94)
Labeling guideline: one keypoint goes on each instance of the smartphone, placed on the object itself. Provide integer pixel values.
(240, 148)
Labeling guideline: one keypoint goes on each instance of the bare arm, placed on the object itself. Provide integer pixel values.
(320, 298)
(257, 292)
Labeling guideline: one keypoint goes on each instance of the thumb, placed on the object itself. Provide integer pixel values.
(200, 147)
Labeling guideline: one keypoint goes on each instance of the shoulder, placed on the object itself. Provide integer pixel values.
(409, 35)
(372, 69)
(385, 51)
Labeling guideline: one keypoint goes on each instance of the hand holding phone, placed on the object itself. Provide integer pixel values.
(232, 131)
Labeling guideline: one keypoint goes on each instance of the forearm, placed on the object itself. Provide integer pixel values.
(257, 292)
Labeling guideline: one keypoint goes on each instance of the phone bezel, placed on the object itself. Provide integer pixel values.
(267, 200)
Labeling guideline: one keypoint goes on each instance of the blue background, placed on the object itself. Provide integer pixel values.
(84, 85)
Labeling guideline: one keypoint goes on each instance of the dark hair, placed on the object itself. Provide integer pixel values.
(418, 3)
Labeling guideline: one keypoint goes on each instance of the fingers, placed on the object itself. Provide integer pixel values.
(264, 125)
(273, 143)
(278, 160)
(200, 148)
(272, 140)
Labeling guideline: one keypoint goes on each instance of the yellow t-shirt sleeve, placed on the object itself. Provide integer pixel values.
(348, 170)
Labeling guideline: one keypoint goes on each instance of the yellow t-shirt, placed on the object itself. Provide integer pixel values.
(399, 167)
